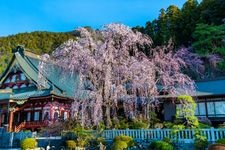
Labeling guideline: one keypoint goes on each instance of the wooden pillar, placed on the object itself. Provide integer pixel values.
(11, 115)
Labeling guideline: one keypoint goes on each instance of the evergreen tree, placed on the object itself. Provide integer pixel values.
(173, 19)
(209, 39)
(212, 12)
(190, 17)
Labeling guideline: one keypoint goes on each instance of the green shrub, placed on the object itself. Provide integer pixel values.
(97, 141)
(101, 140)
(123, 124)
(200, 142)
(187, 111)
(69, 136)
(70, 144)
(28, 143)
(128, 140)
(84, 136)
(119, 145)
(153, 119)
(168, 124)
(82, 142)
(203, 126)
(137, 124)
(167, 140)
(160, 145)
(100, 127)
(221, 141)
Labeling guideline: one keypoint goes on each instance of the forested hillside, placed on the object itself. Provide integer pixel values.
(198, 26)
(180, 24)
(38, 42)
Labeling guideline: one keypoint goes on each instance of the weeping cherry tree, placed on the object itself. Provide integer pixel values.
(112, 67)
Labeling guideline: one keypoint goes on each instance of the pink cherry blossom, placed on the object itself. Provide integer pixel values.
(112, 68)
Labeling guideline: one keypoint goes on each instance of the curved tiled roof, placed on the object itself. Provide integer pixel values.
(211, 87)
(28, 63)
(29, 94)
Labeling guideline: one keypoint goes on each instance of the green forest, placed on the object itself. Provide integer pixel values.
(187, 25)
(199, 26)
(37, 42)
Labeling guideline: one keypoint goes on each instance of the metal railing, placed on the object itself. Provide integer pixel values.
(185, 135)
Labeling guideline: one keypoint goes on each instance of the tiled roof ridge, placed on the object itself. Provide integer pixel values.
(31, 54)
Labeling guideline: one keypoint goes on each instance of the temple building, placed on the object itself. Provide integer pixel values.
(210, 99)
(24, 106)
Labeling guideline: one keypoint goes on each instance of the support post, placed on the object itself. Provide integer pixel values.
(213, 134)
(11, 114)
(142, 134)
(158, 136)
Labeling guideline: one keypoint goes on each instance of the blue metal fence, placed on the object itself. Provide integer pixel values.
(184, 136)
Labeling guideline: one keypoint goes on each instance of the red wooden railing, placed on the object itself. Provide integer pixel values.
(30, 125)
(19, 127)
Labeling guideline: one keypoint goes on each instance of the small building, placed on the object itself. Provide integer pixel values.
(210, 99)
(24, 106)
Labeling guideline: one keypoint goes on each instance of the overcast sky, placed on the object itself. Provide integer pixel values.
(65, 15)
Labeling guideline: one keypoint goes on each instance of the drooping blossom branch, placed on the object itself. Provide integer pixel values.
(214, 59)
(42, 81)
(168, 67)
(112, 68)
(193, 62)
